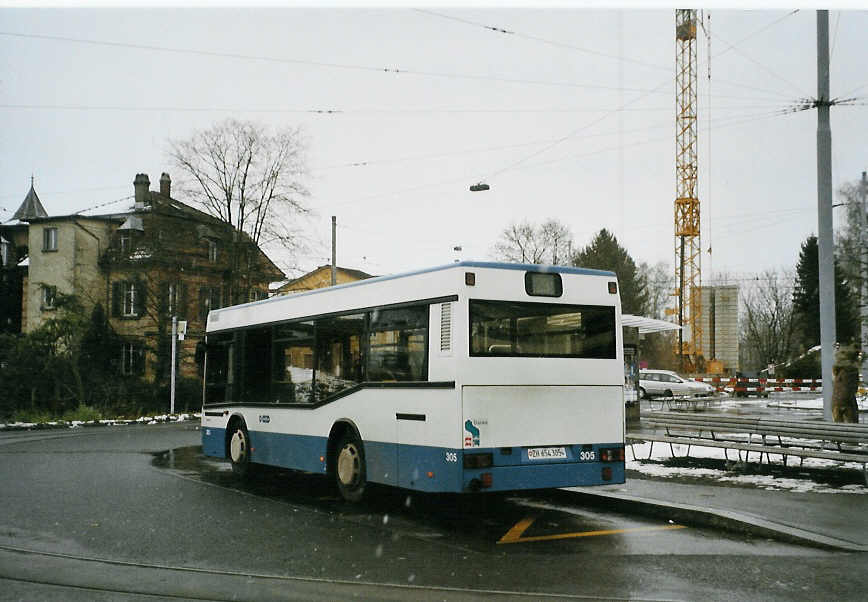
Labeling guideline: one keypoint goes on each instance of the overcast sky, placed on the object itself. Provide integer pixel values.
(571, 116)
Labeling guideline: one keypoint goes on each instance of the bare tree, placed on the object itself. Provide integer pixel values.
(768, 326)
(558, 239)
(248, 177)
(550, 242)
(849, 248)
(661, 283)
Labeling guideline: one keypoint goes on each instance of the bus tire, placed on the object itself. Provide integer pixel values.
(239, 449)
(667, 393)
(350, 472)
(642, 393)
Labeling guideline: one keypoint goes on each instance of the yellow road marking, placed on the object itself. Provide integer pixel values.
(514, 535)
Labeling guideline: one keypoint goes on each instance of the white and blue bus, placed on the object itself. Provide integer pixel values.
(467, 377)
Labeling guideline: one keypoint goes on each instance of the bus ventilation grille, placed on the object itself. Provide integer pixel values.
(445, 327)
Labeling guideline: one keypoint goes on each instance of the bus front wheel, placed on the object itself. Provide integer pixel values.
(350, 472)
(239, 449)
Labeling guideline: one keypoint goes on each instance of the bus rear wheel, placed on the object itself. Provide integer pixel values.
(350, 472)
(239, 449)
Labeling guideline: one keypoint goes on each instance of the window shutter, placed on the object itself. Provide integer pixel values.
(140, 299)
(163, 304)
(138, 360)
(182, 300)
(203, 303)
(117, 298)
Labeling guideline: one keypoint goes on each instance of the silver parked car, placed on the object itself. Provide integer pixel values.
(665, 383)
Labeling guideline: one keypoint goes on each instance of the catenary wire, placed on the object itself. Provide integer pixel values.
(587, 50)
(396, 111)
(544, 40)
(387, 69)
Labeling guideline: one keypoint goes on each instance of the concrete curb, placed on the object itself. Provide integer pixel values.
(687, 514)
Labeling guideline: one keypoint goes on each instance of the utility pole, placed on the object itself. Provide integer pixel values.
(334, 250)
(863, 259)
(824, 214)
(174, 353)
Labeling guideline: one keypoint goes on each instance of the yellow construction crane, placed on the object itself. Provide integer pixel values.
(687, 240)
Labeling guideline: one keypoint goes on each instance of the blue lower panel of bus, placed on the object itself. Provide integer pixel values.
(545, 476)
(214, 442)
(424, 468)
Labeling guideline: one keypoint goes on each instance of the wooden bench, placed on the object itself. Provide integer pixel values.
(802, 439)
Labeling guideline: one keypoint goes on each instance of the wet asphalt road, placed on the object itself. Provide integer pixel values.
(135, 512)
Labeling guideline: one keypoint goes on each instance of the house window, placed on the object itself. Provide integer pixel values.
(49, 297)
(130, 299)
(125, 242)
(49, 239)
(132, 359)
(212, 251)
(209, 298)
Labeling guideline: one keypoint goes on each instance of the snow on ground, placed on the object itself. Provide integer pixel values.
(639, 454)
(810, 403)
(23, 426)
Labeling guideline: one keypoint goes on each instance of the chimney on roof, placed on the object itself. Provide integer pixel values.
(141, 184)
(166, 185)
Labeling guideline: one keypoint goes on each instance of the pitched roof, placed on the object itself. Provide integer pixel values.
(31, 207)
(356, 274)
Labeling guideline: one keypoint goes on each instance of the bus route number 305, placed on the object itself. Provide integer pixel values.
(451, 456)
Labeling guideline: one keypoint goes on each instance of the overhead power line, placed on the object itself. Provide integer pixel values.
(544, 40)
(312, 63)
(739, 120)
(381, 111)
(588, 51)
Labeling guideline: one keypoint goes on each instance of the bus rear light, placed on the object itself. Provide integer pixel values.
(487, 480)
(478, 460)
(615, 454)
(607, 473)
(430, 475)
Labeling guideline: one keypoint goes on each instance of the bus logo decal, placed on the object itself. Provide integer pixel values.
(473, 439)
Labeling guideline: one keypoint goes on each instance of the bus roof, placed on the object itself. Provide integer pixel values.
(524, 267)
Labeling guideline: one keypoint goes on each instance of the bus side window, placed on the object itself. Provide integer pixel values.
(220, 376)
(398, 341)
(338, 354)
(292, 363)
(257, 373)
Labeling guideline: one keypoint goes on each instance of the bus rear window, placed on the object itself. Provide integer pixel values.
(516, 329)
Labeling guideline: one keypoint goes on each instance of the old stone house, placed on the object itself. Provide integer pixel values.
(159, 259)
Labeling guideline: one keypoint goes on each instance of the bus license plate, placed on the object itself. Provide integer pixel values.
(546, 453)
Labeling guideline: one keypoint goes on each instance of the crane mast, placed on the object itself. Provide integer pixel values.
(687, 239)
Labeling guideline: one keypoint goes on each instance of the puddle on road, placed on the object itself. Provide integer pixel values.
(475, 521)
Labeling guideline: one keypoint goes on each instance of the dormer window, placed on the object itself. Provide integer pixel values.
(126, 242)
